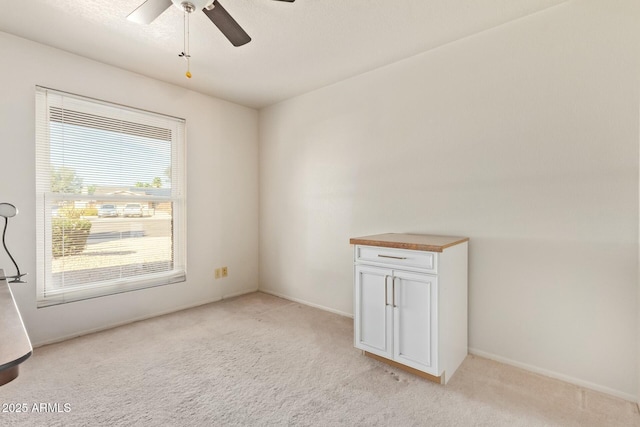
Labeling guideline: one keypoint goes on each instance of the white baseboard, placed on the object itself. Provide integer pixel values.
(310, 304)
(531, 368)
(237, 294)
(137, 319)
(556, 375)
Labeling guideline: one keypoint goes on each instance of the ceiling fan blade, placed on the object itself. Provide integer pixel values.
(288, 1)
(227, 25)
(148, 11)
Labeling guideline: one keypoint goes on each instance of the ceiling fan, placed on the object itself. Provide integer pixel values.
(151, 9)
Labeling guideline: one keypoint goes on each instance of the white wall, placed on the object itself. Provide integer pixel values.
(222, 192)
(524, 138)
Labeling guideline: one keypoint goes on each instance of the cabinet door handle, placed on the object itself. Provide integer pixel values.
(393, 291)
(393, 257)
(386, 299)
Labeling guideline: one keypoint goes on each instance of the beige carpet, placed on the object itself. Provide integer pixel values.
(259, 360)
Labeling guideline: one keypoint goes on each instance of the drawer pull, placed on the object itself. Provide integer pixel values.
(394, 257)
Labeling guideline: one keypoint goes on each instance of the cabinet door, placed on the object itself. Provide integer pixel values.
(415, 320)
(373, 311)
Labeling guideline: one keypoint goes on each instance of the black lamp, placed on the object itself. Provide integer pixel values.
(7, 210)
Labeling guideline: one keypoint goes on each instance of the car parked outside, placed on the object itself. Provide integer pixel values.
(107, 211)
(132, 209)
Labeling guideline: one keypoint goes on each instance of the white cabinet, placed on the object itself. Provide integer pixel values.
(411, 301)
(395, 315)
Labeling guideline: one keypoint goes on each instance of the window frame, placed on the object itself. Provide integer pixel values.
(46, 101)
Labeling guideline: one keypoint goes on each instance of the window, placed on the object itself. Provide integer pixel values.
(110, 190)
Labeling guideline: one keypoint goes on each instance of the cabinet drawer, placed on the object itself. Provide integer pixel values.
(397, 257)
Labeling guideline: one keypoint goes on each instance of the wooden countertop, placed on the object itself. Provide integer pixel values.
(15, 346)
(416, 242)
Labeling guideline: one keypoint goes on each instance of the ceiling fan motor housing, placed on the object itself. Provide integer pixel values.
(193, 5)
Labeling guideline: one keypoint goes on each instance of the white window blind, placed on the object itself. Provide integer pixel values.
(110, 186)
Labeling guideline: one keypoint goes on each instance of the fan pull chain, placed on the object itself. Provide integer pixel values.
(185, 47)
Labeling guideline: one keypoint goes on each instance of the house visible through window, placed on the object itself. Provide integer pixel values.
(110, 198)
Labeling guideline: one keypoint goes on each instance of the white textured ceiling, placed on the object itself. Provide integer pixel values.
(296, 47)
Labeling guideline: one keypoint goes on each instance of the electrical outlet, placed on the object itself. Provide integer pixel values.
(224, 271)
(218, 273)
